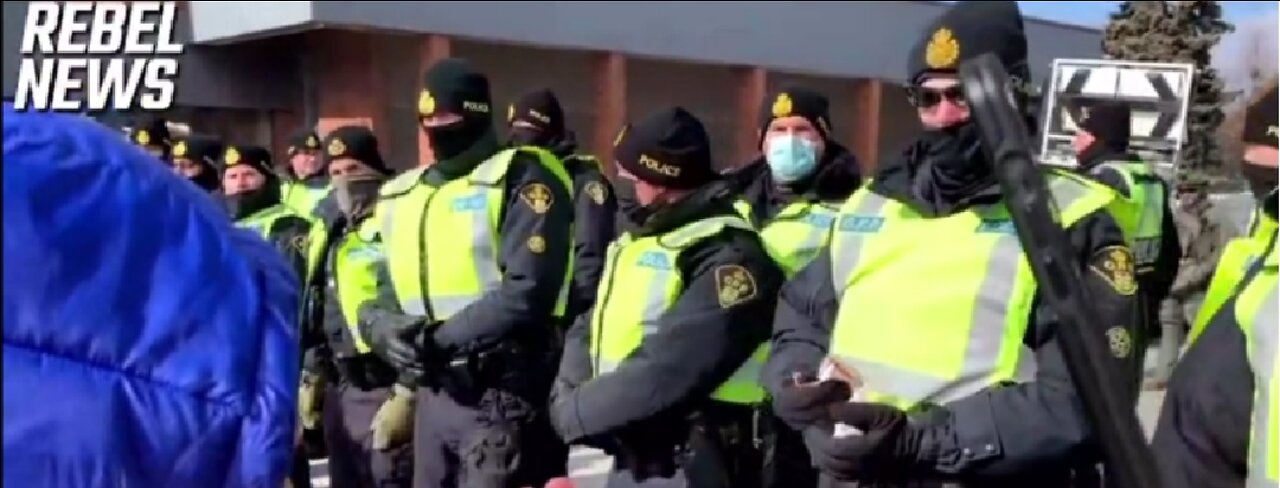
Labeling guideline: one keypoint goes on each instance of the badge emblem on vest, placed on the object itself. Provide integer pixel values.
(1116, 267)
(734, 285)
(595, 190)
(537, 196)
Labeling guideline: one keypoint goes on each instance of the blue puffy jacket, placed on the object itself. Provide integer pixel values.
(146, 342)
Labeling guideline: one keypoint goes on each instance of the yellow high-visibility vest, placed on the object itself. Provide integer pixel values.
(640, 283)
(1141, 214)
(442, 243)
(1257, 311)
(933, 309)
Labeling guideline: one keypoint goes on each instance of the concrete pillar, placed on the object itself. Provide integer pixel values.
(353, 88)
(752, 88)
(865, 129)
(433, 47)
(610, 79)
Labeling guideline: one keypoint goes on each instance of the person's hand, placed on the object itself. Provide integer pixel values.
(310, 399)
(392, 425)
(400, 344)
(805, 400)
(883, 442)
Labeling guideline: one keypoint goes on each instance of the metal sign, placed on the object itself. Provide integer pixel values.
(1157, 93)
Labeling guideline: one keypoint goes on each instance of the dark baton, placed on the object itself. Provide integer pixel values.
(992, 107)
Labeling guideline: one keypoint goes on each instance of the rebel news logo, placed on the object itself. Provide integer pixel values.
(93, 56)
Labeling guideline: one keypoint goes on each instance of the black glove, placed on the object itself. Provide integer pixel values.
(804, 401)
(886, 445)
(648, 448)
(400, 344)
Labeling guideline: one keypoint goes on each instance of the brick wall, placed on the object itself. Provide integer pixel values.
(515, 70)
(709, 92)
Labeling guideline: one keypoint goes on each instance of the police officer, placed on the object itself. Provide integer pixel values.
(792, 193)
(1259, 168)
(307, 182)
(661, 362)
(538, 120)
(253, 198)
(152, 135)
(925, 303)
(346, 278)
(478, 255)
(1142, 211)
(1218, 423)
(196, 159)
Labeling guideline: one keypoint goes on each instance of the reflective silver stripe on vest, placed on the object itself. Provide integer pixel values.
(1266, 338)
(412, 306)
(484, 254)
(982, 353)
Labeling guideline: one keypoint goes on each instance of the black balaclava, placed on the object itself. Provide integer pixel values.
(205, 152)
(668, 148)
(1260, 129)
(541, 110)
(1109, 122)
(951, 158)
(245, 204)
(356, 195)
(454, 86)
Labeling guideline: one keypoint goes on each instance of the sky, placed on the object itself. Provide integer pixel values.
(1095, 14)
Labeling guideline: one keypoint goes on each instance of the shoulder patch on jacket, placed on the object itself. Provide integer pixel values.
(734, 285)
(1115, 265)
(596, 191)
(537, 196)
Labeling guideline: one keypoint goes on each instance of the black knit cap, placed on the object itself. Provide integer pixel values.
(540, 109)
(453, 85)
(969, 29)
(303, 139)
(1109, 122)
(152, 131)
(668, 148)
(203, 150)
(800, 102)
(355, 142)
(1260, 121)
(257, 157)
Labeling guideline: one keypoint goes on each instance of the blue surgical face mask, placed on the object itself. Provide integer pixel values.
(791, 158)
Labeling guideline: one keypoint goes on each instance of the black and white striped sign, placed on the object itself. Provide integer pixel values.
(1158, 94)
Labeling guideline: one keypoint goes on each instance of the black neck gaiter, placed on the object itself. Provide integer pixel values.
(952, 166)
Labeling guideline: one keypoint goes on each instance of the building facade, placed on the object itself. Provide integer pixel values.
(254, 71)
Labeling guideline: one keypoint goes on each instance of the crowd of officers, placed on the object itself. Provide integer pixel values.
(785, 322)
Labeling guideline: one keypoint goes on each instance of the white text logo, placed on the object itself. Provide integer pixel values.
(94, 56)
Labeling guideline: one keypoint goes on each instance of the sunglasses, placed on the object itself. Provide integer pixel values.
(928, 98)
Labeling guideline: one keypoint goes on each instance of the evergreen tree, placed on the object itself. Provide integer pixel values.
(1179, 32)
(1203, 26)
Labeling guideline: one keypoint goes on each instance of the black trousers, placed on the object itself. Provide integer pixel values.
(456, 444)
(348, 413)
